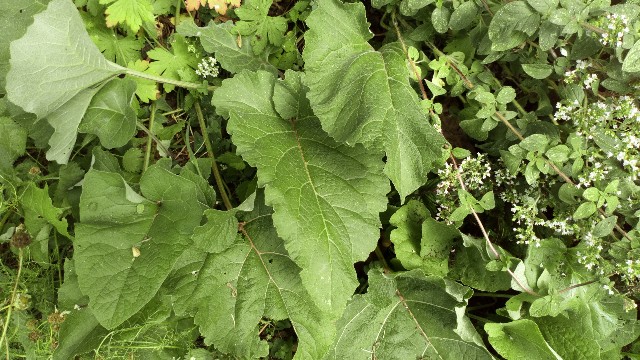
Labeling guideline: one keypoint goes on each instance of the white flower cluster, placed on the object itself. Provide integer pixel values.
(618, 118)
(590, 255)
(617, 26)
(474, 173)
(630, 270)
(208, 67)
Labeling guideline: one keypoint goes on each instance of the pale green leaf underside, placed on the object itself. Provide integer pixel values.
(218, 39)
(408, 316)
(364, 96)
(253, 277)
(54, 61)
(326, 196)
(114, 219)
(15, 16)
(65, 121)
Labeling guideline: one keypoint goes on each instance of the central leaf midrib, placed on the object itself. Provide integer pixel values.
(316, 196)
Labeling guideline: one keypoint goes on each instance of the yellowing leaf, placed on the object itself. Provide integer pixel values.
(220, 6)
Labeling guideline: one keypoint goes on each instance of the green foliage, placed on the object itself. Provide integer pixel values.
(344, 68)
(134, 13)
(331, 220)
(393, 179)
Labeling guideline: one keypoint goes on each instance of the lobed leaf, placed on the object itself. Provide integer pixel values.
(220, 40)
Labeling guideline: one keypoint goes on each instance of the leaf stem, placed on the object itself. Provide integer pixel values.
(380, 256)
(11, 302)
(4, 219)
(214, 165)
(164, 80)
(406, 52)
(147, 154)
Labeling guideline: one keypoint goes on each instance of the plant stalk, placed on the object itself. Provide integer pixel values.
(214, 165)
(147, 154)
(12, 301)
(164, 80)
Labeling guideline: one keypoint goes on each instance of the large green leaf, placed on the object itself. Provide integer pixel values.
(80, 332)
(110, 115)
(252, 277)
(55, 71)
(470, 266)
(363, 96)
(421, 242)
(219, 39)
(408, 316)
(326, 196)
(520, 339)
(54, 61)
(571, 334)
(126, 244)
(15, 16)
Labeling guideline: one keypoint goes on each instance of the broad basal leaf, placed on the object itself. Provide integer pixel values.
(15, 16)
(408, 316)
(55, 71)
(126, 244)
(220, 40)
(54, 61)
(250, 278)
(326, 196)
(520, 340)
(363, 96)
(110, 115)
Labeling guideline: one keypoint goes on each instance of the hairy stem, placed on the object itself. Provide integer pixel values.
(214, 165)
